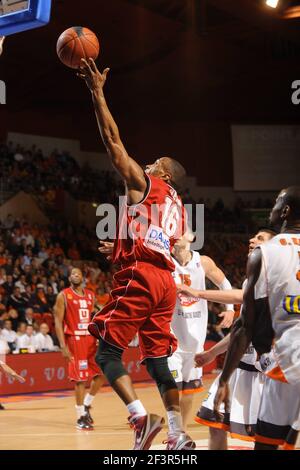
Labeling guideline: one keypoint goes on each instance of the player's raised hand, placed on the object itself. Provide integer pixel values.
(204, 358)
(222, 396)
(227, 318)
(93, 78)
(11, 373)
(1, 43)
(106, 248)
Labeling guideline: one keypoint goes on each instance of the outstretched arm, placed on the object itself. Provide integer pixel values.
(206, 357)
(129, 169)
(215, 275)
(232, 296)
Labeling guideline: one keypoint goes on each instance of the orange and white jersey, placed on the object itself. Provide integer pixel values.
(189, 322)
(280, 281)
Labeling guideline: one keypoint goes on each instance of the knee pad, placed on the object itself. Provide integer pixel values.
(159, 370)
(109, 358)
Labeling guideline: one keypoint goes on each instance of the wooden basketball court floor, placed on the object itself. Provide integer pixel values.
(47, 422)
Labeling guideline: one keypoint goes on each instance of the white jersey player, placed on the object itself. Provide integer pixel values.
(271, 311)
(245, 383)
(189, 323)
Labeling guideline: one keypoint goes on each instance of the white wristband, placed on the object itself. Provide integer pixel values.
(225, 285)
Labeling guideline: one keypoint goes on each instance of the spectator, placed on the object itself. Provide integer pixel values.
(9, 334)
(16, 301)
(51, 297)
(14, 317)
(4, 348)
(40, 302)
(26, 341)
(8, 285)
(28, 317)
(73, 252)
(21, 329)
(42, 340)
(21, 283)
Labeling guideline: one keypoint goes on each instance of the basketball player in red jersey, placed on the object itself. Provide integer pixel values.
(144, 294)
(73, 310)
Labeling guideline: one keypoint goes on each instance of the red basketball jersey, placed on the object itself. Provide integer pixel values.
(78, 311)
(147, 231)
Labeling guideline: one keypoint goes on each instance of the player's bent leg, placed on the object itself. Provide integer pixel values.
(217, 439)
(160, 372)
(109, 358)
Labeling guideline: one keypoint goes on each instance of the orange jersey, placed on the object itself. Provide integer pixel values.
(78, 313)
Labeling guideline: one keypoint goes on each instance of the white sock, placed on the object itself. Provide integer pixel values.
(88, 399)
(136, 408)
(174, 422)
(79, 410)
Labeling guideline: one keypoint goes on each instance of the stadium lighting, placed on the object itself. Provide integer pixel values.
(272, 3)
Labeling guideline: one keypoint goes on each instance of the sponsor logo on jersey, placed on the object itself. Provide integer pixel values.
(83, 365)
(69, 297)
(291, 304)
(187, 301)
(157, 240)
(182, 314)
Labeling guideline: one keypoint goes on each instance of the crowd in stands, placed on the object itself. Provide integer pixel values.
(35, 263)
(34, 172)
(45, 176)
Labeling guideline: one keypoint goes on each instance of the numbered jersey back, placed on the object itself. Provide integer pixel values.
(147, 231)
(78, 311)
(280, 282)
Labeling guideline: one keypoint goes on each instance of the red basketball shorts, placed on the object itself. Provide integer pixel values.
(143, 301)
(83, 365)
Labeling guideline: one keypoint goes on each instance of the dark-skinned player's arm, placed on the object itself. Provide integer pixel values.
(59, 315)
(242, 332)
(1, 43)
(127, 167)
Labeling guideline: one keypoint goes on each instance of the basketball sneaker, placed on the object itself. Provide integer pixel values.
(145, 429)
(88, 414)
(84, 424)
(179, 442)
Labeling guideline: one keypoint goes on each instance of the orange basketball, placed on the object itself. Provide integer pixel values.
(76, 43)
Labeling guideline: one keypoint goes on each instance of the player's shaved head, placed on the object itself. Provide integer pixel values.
(167, 169)
(291, 198)
(287, 207)
(175, 169)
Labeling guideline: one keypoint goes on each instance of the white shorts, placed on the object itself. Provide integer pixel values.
(245, 393)
(279, 414)
(187, 377)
